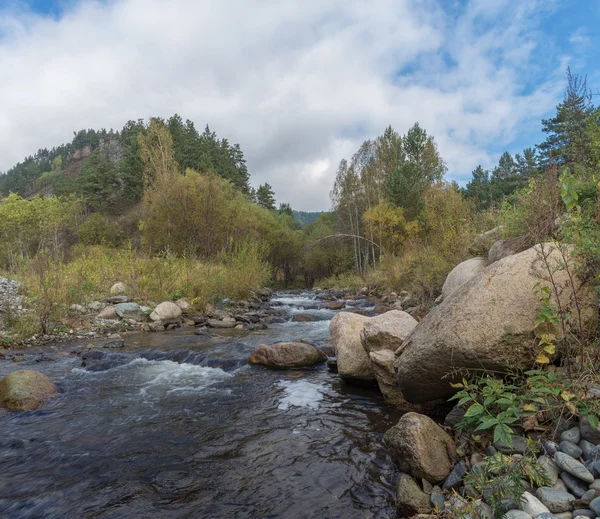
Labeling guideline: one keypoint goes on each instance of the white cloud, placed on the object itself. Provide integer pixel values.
(298, 85)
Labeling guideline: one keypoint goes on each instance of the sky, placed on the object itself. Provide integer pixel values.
(299, 85)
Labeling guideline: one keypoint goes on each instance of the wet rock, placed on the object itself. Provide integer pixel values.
(25, 390)
(302, 318)
(555, 500)
(532, 505)
(573, 467)
(420, 447)
(354, 364)
(155, 326)
(228, 322)
(286, 355)
(572, 435)
(573, 484)
(410, 499)
(115, 343)
(387, 331)
(570, 449)
(336, 305)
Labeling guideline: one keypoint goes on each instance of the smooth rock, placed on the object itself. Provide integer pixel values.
(286, 355)
(519, 446)
(588, 450)
(228, 322)
(516, 514)
(551, 448)
(118, 288)
(108, 313)
(573, 467)
(583, 512)
(25, 390)
(572, 435)
(130, 311)
(549, 467)
(387, 331)
(560, 485)
(570, 449)
(595, 505)
(184, 304)
(596, 484)
(455, 477)
(573, 484)
(437, 501)
(353, 362)
(588, 432)
(421, 447)
(410, 499)
(555, 500)
(166, 311)
(461, 274)
(564, 515)
(532, 505)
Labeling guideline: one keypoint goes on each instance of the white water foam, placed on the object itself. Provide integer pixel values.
(300, 393)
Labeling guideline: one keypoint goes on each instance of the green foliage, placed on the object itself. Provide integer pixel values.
(265, 197)
(98, 184)
(99, 229)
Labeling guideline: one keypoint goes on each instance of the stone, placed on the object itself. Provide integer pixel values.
(551, 448)
(420, 447)
(115, 300)
(130, 311)
(487, 323)
(548, 515)
(353, 362)
(588, 432)
(574, 485)
(77, 309)
(456, 414)
(410, 499)
(462, 273)
(228, 322)
(560, 485)
(573, 467)
(570, 449)
(583, 512)
(387, 331)
(550, 468)
(503, 248)
(490, 450)
(519, 445)
(336, 305)
(108, 313)
(572, 435)
(595, 485)
(516, 514)
(532, 505)
(555, 500)
(595, 505)
(482, 243)
(25, 390)
(95, 306)
(154, 326)
(184, 304)
(114, 343)
(437, 501)
(589, 495)
(302, 318)
(382, 363)
(455, 477)
(166, 311)
(118, 288)
(286, 355)
(588, 449)
(564, 515)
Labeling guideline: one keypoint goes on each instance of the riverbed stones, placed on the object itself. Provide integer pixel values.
(421, 448)
(595, 505)
(108, 313)
(227, 322)
(462, 273)
(184, 304)
(550, 468)
(387, 331)
(588, 432)
(130, 311)
(574, 485)
(573, 467)
(516, 514)
(336, 305)
(532, 505)
(455, 477)
(410, 499)
(166, 311)
(556, 501)
(25, 390)
(570, 449)
(487, 323)
(302, 318)
(286, 355)
(352, 359)
(572, 435)
(118, 288)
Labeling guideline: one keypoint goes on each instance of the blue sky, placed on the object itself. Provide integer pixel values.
(298, 84)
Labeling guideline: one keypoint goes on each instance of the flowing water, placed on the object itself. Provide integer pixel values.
(179, 426)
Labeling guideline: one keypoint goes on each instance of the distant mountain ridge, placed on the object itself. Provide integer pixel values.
(305, 218)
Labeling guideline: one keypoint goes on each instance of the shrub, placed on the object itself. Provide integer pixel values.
(99, 229)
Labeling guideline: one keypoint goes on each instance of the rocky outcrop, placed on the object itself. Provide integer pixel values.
(462, 273)
(488, 323)
(25, 390)
(352, 359)
(166, 311)
(504, 248)
(285, 355)
(387, 331)
(420, 447)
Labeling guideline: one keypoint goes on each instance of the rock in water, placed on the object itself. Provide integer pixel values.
(419, 446)
(387, 331)
(382, 363)
(352, 359)
(25, 390)
(462, 273)
(302, 318)
(487, 323)
(166, 311)
(286, 355)
(410, 499)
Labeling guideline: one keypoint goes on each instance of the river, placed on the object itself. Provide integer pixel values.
(179, 426)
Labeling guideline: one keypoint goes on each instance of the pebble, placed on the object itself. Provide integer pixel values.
(570, 448)
(490, 451)
(560, 485)
(551, 448)
(532, 505)
(555, 500)
(595, 505)
(589, 495)
(574, 485)
(583, 512)
(595, 485)
(564, 515)
(572, 435)
(548, 515)
(456, 475)
(437, 501)
(573, 467)
(516, 514)
(550, 468)
(588, 449)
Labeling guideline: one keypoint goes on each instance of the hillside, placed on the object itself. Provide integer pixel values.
(305, 218)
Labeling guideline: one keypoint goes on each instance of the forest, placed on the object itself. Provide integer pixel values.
(172, 212)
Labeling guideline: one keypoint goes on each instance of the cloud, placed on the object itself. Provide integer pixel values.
(298, 85)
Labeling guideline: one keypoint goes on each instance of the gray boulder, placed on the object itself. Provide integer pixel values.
(166, 311)
(284, 355)
(352, 359)
(462, 273)
(387, 331)
(130, 311)
(410, 499)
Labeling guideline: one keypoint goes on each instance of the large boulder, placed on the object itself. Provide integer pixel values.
(410, 499)
(488, 323)
(462, 273)
(382, 363)
(420, 447)
(130, 311)
(166, 311)
(352, 359)
(25, 390)
(286, 355)
(387, 331)
(504, 248)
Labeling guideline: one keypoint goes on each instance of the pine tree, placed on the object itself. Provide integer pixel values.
(265, 197)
